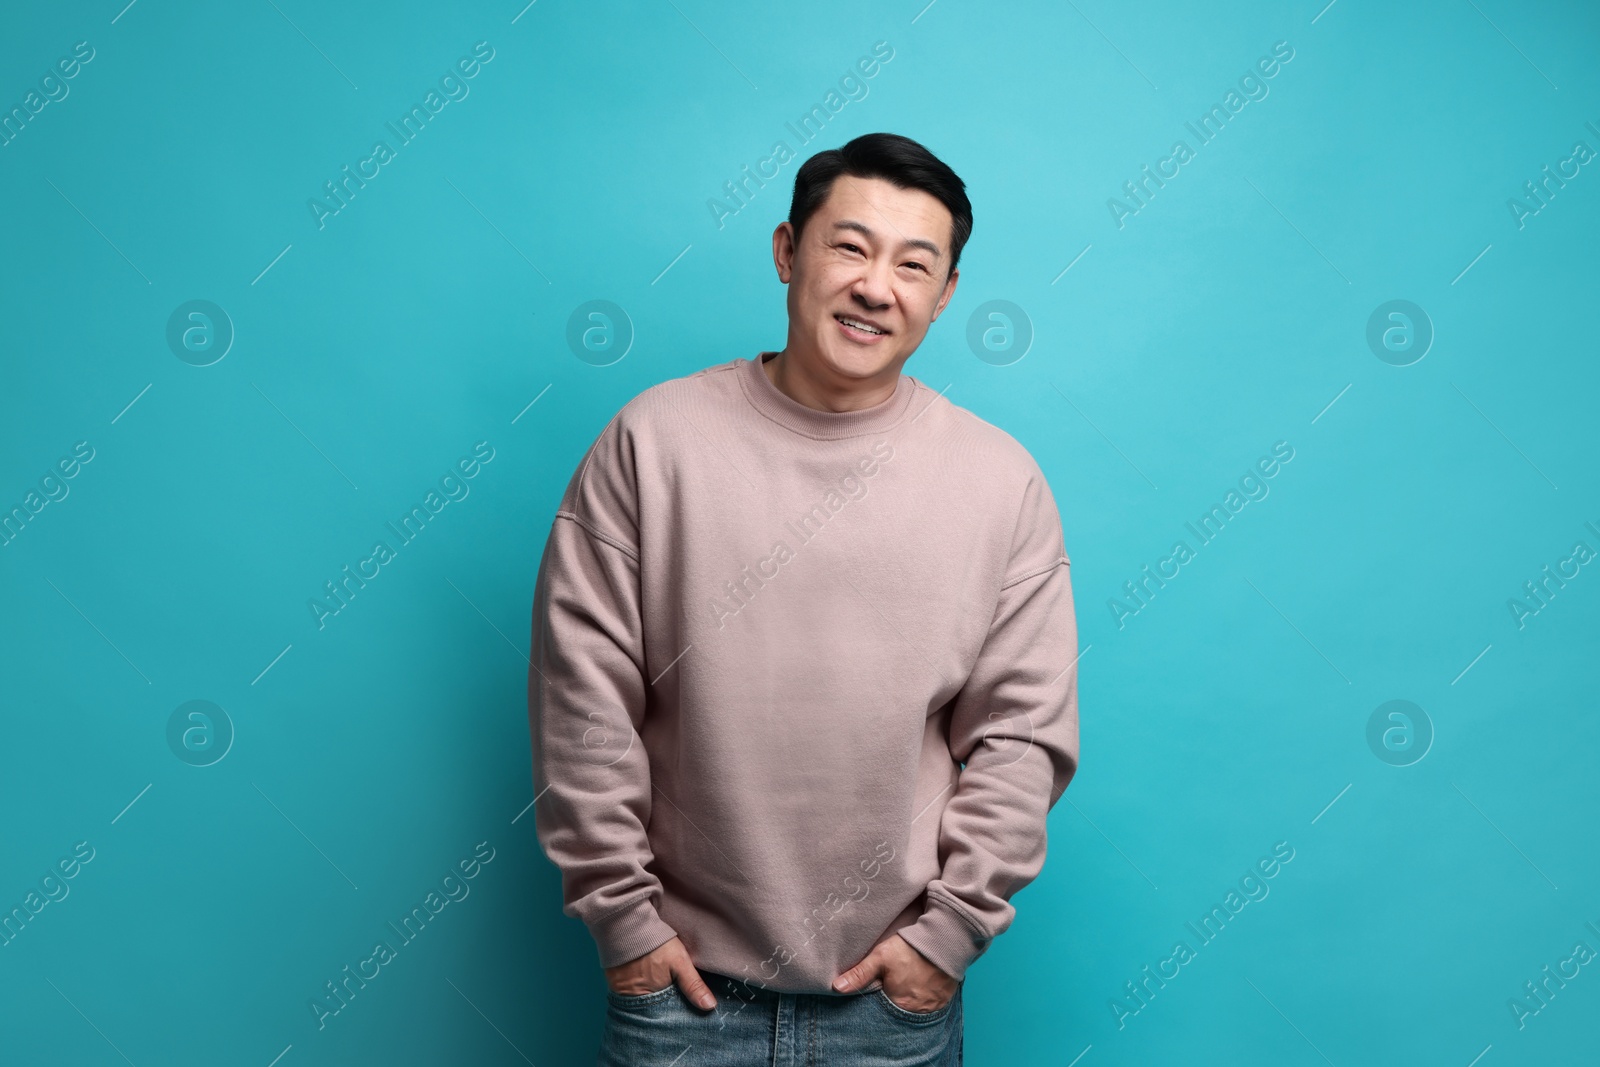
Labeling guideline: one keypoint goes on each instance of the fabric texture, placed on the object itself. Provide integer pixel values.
(800, 680)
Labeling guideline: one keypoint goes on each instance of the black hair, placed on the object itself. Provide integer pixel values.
(896, 159)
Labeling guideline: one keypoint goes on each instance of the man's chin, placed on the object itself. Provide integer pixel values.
(854, 362)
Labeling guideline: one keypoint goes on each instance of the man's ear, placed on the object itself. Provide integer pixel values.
(949, 291)
(783, 250)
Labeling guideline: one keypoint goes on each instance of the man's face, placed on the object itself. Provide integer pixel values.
(873, 253)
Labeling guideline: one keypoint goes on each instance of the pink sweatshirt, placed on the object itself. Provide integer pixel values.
(801, 679)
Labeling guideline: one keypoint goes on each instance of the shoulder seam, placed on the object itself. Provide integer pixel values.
(1052, 565)
(598, 534)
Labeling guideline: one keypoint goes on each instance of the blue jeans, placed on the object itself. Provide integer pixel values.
(753, 1027)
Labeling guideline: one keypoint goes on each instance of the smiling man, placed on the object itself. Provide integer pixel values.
(803, 685)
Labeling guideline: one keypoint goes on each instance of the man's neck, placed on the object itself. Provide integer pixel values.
(782, 370)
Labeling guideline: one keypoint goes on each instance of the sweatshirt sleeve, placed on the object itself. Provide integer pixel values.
(586, 703)
(1015, 726)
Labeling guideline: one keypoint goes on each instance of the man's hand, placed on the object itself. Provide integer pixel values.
(659, 969)
(909, 979)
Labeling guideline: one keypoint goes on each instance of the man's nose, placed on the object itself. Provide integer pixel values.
(874, 284)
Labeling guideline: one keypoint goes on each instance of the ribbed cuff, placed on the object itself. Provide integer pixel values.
(945, 938)
(630, 933)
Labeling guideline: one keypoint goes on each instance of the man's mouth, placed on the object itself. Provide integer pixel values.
(860, 327)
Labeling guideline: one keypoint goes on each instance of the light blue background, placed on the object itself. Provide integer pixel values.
(1230, 714)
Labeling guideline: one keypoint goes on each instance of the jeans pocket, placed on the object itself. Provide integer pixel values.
(881, 998)
(639, 1000)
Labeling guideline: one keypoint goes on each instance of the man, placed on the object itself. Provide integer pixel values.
(803, 685)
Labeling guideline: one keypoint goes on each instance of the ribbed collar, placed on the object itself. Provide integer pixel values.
(789, 413)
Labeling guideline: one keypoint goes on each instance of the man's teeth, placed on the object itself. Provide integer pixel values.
(863, 327)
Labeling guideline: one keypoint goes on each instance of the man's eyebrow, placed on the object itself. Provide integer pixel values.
(866, 231)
